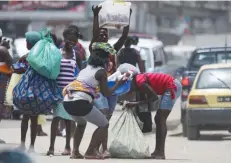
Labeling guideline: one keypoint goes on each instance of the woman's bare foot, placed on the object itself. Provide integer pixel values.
(106, 154)
(94, 155)
(22, 147)
(31, 149)
(158, 156)
(42, 134)
(66, 152)
(76, 155)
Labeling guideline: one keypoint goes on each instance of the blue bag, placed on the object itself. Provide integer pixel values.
(123, 89)
(35, 94)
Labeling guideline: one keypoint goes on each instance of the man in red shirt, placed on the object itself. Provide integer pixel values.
(151, 85)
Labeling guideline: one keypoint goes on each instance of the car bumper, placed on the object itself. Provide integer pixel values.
(209, 117)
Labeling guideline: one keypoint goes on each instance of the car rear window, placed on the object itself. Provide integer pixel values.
(204, 58)
(214, 78)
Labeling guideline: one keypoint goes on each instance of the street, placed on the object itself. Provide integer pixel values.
(213, 146)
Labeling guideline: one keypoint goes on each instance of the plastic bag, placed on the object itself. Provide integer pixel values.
(125, 67)
(15, 78)
(114, 14)
(41, 119)
(45, 57)
(126, 139)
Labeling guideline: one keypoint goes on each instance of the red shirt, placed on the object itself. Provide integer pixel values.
(159, 82)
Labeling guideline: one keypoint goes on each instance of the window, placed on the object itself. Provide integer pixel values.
(157, 55)
(214, 78)
(145, 55)
(204, 58)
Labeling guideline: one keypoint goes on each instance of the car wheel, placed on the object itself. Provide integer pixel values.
(193, 133)
(229, 130)
(184, 129)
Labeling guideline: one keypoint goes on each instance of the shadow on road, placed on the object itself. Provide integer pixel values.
(215, 137)
(207, 137)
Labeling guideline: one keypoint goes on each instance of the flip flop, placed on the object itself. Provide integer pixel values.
(50, 153)
(78, 156)
(66, 153)
(94, 157)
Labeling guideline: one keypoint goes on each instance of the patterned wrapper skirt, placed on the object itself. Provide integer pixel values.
(5, 111)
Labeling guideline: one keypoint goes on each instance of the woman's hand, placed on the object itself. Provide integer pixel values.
(23, 59)
(96, 10)
(70, 96)
(131, 104)
(121, 81)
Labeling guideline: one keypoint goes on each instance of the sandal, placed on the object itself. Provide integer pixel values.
(76, 156)
(66, 152)
(98, 157)
(50, 153)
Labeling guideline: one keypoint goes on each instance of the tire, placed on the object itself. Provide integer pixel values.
(184, 123)
(229, 130)
(184, 129)
(193, 133)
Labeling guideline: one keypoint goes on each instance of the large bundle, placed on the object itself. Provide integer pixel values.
(15, 78)
(45, 57)
(126, 138)
(35, 94)
(114, 14)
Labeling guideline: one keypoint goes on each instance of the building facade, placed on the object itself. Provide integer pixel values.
(149, 17)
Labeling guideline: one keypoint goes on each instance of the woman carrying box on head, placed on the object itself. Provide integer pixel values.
(107, 104)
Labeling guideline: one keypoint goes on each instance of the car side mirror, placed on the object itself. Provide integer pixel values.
(158, 63)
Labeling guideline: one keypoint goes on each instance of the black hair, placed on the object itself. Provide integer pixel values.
(79, 35)
(98, 58)
(70, 31)
(74, 27)
(54, 38)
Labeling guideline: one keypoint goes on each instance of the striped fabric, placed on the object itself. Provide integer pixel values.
(67, 70)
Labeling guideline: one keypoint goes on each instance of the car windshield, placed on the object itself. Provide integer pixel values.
(214, 78)
(204, 58)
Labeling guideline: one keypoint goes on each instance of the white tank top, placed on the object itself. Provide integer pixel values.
(87, 75)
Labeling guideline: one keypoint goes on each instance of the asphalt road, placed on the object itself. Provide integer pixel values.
(212, 147)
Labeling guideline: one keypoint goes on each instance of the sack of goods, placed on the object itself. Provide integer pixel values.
(114, 15)
(45, 57)
(126, 139)
(35, 94)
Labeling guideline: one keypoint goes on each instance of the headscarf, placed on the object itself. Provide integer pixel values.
(104, 46)
(33, 37)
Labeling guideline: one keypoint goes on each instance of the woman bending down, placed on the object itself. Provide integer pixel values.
(151, 85)
(82, 93)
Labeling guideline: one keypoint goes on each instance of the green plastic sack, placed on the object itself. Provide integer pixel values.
(45, 57)
(126, 139)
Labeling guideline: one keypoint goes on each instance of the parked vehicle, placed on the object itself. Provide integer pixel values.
(178, 56)
(209, 101)
(199, 57)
